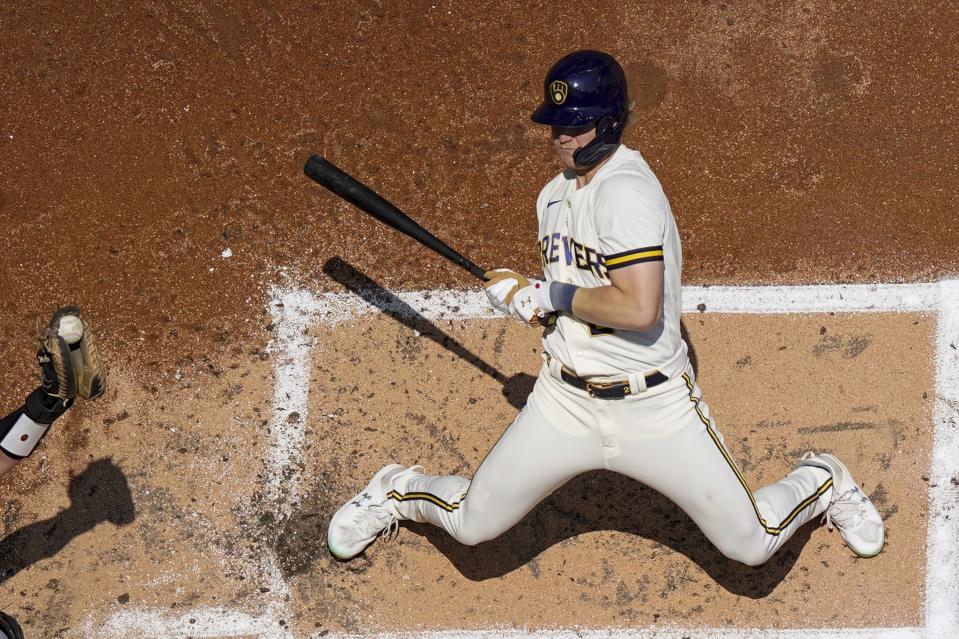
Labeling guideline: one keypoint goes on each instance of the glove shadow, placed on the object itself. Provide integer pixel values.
(100, 493)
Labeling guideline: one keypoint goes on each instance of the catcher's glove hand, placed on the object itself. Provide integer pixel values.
(69, 357)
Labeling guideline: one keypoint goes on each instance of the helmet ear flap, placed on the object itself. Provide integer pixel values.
(608, 132)
(604, 124)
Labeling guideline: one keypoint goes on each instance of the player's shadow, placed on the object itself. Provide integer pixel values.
(604, 500)
(515, 388)
(100, 493)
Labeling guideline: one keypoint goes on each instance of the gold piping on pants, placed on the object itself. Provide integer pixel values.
(771, 530)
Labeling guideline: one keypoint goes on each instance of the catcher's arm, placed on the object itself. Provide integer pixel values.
(71, 366)
(6, 463)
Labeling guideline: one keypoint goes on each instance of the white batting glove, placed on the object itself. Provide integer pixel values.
(531, 302)
(501, 286)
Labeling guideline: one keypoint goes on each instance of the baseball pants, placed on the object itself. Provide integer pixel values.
(664, 438)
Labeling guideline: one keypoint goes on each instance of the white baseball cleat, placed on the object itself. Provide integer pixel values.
(850, 510)
(365, 517)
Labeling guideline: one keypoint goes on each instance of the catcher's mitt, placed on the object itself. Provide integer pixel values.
(69, 357)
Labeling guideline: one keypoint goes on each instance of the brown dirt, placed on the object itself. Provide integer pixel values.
(798, 142)
(141, 500)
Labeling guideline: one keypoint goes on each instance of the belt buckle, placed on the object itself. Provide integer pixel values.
(590, 387)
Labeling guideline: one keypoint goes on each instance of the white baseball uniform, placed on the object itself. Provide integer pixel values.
(661, 435)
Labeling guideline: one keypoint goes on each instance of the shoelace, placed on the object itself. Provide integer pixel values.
(378, 520)
(848, 510)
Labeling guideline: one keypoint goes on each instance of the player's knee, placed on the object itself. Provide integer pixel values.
(474, 536)
(750, 554)
(746, 549)
(480, 521)
(475, 529)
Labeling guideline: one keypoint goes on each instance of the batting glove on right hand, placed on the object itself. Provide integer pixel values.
(502, 284)
(531, 304)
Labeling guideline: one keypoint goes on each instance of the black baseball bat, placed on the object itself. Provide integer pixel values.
(367, 200)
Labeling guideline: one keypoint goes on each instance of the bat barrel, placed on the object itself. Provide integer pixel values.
(358, 194)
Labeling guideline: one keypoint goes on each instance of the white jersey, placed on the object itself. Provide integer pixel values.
(619, 219)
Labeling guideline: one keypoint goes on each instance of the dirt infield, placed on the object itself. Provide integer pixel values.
(173, 510)
(152, 174)
(797, 142)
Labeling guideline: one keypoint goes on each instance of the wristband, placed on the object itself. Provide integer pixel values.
(43, 408)
(561, 296)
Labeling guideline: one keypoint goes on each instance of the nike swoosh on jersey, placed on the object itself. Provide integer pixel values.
(553, 202)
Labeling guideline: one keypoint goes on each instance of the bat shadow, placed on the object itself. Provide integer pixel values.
(515, 388)
(607, 501)
(100, 493)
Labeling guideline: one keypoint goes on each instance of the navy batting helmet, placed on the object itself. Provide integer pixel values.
(587, 87)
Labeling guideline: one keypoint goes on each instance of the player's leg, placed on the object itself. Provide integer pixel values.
(821, 484)
(672, 445)
(550, 441)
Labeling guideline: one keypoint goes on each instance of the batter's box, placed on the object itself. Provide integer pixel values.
(868, 372)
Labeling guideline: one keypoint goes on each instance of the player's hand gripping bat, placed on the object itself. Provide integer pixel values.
(364, 198)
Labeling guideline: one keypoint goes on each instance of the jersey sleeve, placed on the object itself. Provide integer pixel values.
(630, 223)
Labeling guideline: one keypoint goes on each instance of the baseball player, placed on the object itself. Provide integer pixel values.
(70, 366)
(616, 389)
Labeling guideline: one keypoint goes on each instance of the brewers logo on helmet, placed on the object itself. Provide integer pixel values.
(558, 91)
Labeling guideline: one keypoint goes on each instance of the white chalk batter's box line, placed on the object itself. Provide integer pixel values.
(295, 310)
